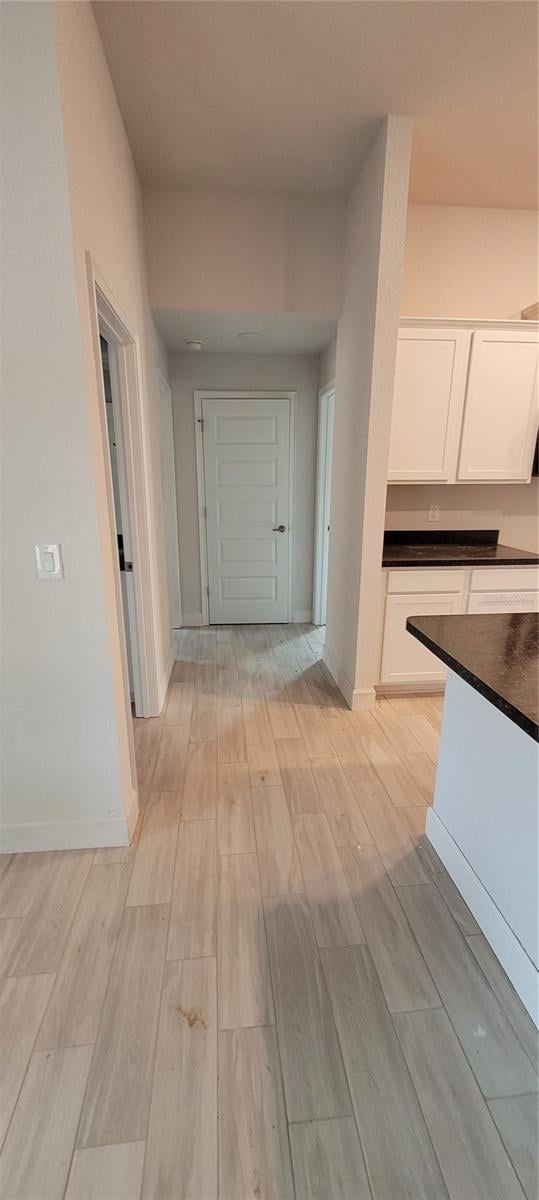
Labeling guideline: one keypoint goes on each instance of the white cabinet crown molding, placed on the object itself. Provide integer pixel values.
(465, 323)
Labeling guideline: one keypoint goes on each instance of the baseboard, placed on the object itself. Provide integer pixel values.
(409, 689)
(302, 616)
(65, 835)
(165, 680)
(516, 963)
(356, 698)
(192, 620)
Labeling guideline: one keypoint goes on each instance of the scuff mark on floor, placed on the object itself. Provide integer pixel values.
(193, 1016)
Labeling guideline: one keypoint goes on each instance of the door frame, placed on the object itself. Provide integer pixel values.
(168, 471)
(108, 319)
(326, 415)
(199, 395)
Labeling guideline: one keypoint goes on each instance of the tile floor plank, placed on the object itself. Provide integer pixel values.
(346, 821)
(107, 1172)
(39, 1142)
(192, 930)
(23, 877)
(10, 934)
(74, 1009)
(334, 915)
(244, 981)
(230, 735)
(394, 772)
(203, 725)
(508, 1000)
(328, 1161)
(404, 977)
(313, 1074)
(171, 758)
(254, 1156)
(517, 1120)
(436, 872)
(472, 1158)
(297, 777)
(23, 1001)
(200, 785)
(180, 699)
(181, 1152)
(153, 864)
(147, 737)
(39, 948)
(397, 1149)
(499, 1063)
(235, 826)
(277, 855)
(117, 1100)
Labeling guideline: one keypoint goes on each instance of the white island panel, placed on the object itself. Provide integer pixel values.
(484, 826)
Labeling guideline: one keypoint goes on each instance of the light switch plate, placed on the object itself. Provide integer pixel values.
(434, 512)
(49, 561)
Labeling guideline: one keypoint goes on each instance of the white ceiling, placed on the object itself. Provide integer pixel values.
(283, 96)
(282, 333)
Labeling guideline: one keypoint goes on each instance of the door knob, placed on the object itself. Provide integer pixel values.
(279, 528)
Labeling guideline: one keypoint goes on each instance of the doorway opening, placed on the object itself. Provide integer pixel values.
(322, 523)
(121, 510)
(122, 438)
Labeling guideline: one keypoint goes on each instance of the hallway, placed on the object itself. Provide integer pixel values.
(276, 990)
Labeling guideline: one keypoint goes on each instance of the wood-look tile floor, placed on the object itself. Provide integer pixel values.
(276, 991)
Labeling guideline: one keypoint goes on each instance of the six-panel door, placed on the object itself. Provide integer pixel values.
(247, 481)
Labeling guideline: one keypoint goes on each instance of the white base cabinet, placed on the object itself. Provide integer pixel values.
(406, 665)
(404, 659)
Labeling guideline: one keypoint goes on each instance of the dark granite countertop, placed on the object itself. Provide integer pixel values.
(497, 654)
(451, 548)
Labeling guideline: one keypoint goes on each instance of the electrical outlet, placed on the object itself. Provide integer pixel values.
(434, 512)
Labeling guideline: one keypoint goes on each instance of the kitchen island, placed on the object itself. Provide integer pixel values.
(484, 819)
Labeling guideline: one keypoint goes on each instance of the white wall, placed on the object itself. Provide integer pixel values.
(469, 262)
(282, 372)
(237, 251)
(365, 364)
(61, 758)
(106, 213)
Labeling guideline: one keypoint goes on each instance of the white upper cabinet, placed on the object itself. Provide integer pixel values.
(430, 380)
(465, 403)
(500, 413)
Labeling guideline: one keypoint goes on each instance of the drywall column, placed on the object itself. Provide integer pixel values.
(62, 781)
(365, 365)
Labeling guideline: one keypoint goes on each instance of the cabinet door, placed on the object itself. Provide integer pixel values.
(430, 380)
(404, 659)
(500, 412)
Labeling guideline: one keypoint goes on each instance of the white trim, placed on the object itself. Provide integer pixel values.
(356, 698)
(193, 620)
(464, 323)
(168, 469)
(326, 408)
(68, 835)
(105, 312)
(199, 395)
(519, 967)
(165, 680)
(302, 616)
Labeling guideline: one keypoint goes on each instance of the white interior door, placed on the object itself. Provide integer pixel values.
(247, 484)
